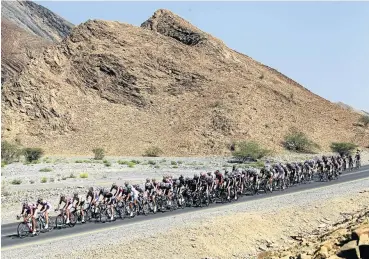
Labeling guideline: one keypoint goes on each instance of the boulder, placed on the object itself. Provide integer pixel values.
(364, 246)
(349, 250)
(304, 256)
(362, 230)
(322, 253)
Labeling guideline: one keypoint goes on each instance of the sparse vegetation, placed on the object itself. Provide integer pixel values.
(35, 162)
(3, 163)
(33, 154)
(157, 167)
(122, 162)
(246, 150)
(43, 180)
(64, 178)
(16, 181)
(364, 119)
(173, 162)
(131, 164)
(153, 152)
(83, 175)
(179, 162)
(152, 162)
(343, 148)
(136, 161)
(45, 169)
(31, 182)
(46, 160)
(10, 152)
(78, 161)
(72, 175)
(299, 142)
(107, 163)
(99, 153)
(52, 180)
(175, 166)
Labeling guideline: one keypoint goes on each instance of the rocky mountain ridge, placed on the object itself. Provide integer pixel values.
(165, 84)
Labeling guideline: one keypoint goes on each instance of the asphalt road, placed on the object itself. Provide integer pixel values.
(9, 237)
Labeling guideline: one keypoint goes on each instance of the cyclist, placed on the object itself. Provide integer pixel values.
(78, 203)
(357, 158)
(45, 208)
(108, 200)
(67, 206)
(28, 212)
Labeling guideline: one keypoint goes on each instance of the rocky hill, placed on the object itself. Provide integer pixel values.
(165, 84)
(17, 49)
(26, 28)
(36, 19)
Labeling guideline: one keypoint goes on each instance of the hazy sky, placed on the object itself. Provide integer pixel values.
(322, 45)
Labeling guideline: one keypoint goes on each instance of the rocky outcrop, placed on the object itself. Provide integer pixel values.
(36, 19)
(18, 48)
(26, 29)
(347, 239)
(165, 84)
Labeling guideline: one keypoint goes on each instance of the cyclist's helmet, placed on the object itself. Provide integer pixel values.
(114, 185)
(39, 201)
(162, 185)
(196, 176)
(126, 183)
(91, 189)
(153, 180)
(178, 182)
(62, 196)
(147, 180)
(75, 195)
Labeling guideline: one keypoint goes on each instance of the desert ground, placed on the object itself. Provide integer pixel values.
(243, 230)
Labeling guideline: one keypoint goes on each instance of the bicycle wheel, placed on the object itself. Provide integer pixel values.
(72, 219)
(38, 227)
(51, 224)
(59, 221)
(88, 214)
(145, 208)
(102, 216)
(23, 230)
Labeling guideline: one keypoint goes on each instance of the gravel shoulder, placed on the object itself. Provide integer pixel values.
(240, 230)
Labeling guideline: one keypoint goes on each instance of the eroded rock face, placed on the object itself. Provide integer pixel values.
(18, 48)
(171, 25)
(165, 84)
(26, 29)
(36, 19)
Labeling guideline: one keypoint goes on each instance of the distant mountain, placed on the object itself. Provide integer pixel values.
(36, 19)
(26, 29)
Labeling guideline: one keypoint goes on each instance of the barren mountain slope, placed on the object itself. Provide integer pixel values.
(36, 19)
(17, 48)
(167, 84)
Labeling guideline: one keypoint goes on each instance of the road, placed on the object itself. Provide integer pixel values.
(9, 239)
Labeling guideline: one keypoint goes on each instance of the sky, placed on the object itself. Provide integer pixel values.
(324, 46)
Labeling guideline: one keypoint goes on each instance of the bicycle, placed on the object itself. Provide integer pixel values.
(41, 221)
(24, 228)
(61, 220)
